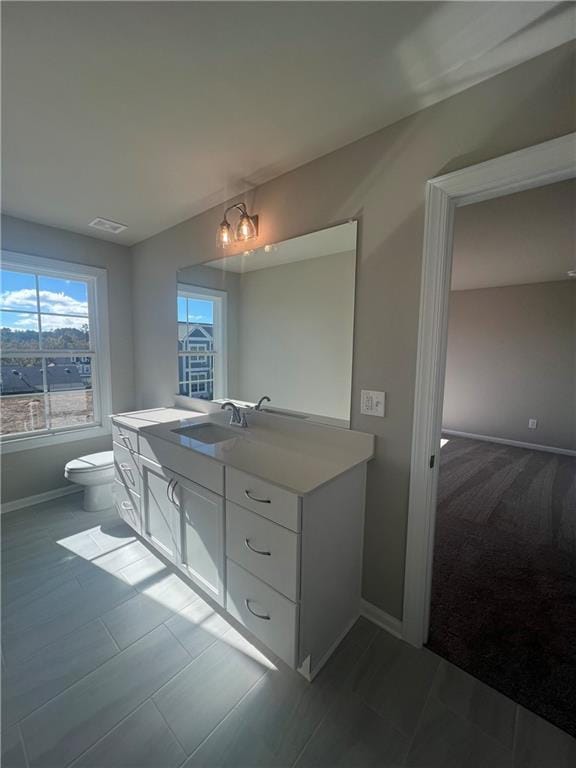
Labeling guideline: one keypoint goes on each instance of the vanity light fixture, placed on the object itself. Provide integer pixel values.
(246, 229)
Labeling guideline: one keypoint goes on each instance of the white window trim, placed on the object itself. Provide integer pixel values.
(100, 343)
(220, 299)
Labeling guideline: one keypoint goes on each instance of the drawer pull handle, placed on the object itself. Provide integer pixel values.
(174, 484)
(258, 615)
(257, 551)
(126, 505)
(255, 498)
(128, 470)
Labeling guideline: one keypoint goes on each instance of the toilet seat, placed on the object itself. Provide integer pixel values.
(91, 463)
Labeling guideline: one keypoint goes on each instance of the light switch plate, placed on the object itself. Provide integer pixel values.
(372, 403)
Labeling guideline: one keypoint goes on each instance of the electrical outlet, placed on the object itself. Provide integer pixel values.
(532, 423)
(372, 403)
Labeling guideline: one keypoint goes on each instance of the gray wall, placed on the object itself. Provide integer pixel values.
(380, 179)
(512, 357)
(26, 473)
(295, 335)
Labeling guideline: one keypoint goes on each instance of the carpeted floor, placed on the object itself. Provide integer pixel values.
(504, 576)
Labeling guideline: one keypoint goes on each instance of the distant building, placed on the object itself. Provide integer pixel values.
(196, 371)
(28, 379)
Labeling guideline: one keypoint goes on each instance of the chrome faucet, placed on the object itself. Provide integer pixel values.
(238, 418)
(258, 406)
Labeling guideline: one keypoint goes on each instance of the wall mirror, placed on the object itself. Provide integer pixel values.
(275, 321)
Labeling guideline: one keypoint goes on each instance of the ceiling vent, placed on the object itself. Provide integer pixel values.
(108, 226)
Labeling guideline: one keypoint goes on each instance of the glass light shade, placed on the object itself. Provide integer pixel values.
(246, 228)
(224, 234)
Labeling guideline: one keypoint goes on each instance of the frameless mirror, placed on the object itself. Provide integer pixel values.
(276, 321)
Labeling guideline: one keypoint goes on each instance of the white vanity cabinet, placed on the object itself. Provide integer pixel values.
(285, 565)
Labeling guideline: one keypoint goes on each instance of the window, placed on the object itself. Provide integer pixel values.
(54, 375)
(201, 342)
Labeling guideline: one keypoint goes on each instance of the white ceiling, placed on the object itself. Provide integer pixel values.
(528, 237)
(326, 242)
(149, 113)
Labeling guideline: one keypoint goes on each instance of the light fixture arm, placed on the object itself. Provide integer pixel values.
(239, 206)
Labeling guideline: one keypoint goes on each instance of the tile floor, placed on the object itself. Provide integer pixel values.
(111, 661)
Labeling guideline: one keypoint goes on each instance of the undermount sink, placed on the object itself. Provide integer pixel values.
(207, 433)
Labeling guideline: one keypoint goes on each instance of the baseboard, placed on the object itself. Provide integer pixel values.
(380, 617)
(513, 443)
(30, 501)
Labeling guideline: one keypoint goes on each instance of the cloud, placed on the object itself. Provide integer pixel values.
(50, 301)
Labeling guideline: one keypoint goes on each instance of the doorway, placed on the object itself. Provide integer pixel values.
(526, 170)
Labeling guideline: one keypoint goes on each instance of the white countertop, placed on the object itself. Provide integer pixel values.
(290, 453)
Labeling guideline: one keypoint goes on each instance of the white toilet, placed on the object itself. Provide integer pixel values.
(96, 473)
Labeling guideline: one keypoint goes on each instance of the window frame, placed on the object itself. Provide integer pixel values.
(97, 282)
(220, 338)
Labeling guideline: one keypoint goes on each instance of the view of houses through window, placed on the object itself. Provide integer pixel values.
(47, 352)
(200, 342)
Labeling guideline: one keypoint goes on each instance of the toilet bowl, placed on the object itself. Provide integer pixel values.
(95, 473)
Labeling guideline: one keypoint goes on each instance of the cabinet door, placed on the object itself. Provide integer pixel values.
(202, 553)
(161, 519)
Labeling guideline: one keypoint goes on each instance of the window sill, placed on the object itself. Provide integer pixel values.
(14, 445)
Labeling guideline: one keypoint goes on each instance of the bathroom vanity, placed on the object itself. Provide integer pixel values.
(267, 520)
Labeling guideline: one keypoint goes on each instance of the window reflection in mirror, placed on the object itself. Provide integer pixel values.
(274, 321)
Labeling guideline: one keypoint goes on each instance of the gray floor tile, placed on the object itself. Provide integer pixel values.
(233, 745)
(281, 712)
(197, 627)
(540, 744)
(16, 595)
(24, 551)
(116, 559)
(363, 632)
(352, 734)
(72, 722)
(144, 571)
(143, 740)
(394, 679)
(494, 713)
(197, 699)
(81, 607)
(12, 750)
(111, 536)
(137, 616)
(42, 609)
(31, 683)
(446, 740)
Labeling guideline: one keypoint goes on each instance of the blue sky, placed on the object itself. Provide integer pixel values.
(64, 297)
(197, 311)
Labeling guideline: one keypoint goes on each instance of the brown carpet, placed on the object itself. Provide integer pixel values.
(504, 575)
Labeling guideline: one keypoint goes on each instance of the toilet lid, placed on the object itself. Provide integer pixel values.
(93, 461)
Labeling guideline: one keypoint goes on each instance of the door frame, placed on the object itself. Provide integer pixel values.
(534, 166)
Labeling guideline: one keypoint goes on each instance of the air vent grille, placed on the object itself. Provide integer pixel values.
(106, 225)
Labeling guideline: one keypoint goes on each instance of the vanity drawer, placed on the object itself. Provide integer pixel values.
(127, 505)
(265, 499)
(127, 468)
(184, 461)
(125, 437)
(270, 616)
(265, 549)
